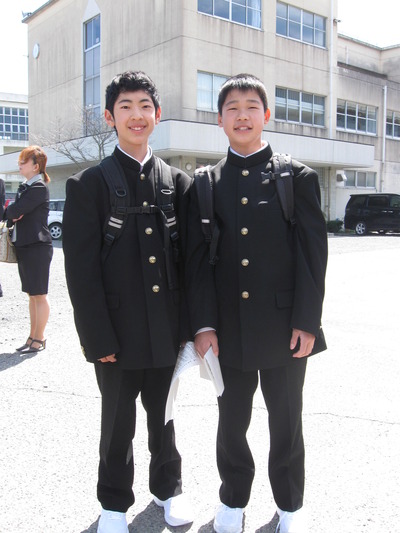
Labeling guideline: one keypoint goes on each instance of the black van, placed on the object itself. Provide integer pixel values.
(373, 212)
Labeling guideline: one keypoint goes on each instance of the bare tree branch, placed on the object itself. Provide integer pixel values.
(82, 140)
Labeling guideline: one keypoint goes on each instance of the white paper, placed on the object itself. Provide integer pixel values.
(209, 369)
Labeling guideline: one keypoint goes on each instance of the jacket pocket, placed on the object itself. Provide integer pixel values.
(284, 299)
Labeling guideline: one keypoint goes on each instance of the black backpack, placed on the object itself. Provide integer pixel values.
(121, 207)
(281, 172)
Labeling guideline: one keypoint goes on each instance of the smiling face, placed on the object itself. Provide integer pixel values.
(134, 117)
(243, 118)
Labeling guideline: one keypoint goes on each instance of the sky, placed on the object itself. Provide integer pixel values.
(375, 26)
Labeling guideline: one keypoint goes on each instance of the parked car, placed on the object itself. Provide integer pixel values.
(373, 212)
(55, 218)
(10, 197)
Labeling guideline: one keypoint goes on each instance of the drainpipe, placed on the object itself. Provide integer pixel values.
(381, 187)
(331, 74)
(328, 200)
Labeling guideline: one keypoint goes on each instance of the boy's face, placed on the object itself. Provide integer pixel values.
(134, 117)
(243, 118)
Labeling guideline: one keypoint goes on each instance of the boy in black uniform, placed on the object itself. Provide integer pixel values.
(127, 312)
(260, 306)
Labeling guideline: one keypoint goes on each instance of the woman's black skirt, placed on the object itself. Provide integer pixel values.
(34, 267)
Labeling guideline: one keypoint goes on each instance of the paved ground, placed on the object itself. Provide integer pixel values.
(49, 421)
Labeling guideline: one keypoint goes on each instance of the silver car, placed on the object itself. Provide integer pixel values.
(55, 218)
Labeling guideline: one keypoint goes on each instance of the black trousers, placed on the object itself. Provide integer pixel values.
(282, 388)
(119, 389)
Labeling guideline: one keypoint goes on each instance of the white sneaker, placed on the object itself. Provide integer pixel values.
(228, 519)
(177, 510)
(112, 522)
(295, 522)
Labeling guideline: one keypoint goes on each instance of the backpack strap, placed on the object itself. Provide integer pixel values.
(119, 201)
(165, 196)
(282, 173)
(204, 183)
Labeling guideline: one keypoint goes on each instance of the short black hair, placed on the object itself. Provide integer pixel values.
(242, 82)
(131, 81)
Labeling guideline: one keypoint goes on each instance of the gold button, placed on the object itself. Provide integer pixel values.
(152, 259)
(245, 172)
(244, 231)
(142, 177)
(245, 295)
(148, 231)
(156, 288)
(245, 262)
(145, 204)
(244, 200)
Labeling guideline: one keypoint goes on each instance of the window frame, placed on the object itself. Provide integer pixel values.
(394, 124)
(354, 178)
(213, 92)
(300, 108)
(91, 58)
(295, 24)
(352, 116)
(14, 123)
(232, 6)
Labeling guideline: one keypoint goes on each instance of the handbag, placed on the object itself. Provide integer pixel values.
(8, 253)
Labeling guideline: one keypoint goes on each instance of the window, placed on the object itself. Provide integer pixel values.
(393, 125)
(296, 106)
(14, 124)
(301, 25)
(356, 178)
(247, 12)
(356, 117)
(208, 86)
(92, 66)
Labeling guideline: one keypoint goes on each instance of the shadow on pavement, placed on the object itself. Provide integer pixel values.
(9, 360)
(270, 527)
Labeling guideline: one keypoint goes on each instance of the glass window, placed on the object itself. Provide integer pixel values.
(13, 124)
(371, 178)
(208, 86)
(307, 108)
(396, 125)
(394, 201)
(299, 24)
(92, 65)
(296, 106)
(356, 117)
(356, 178)
(247, 12)
(351, 178)
(205, 6)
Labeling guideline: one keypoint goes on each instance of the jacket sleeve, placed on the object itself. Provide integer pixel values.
(29, 200)
(199, 274)
(82, 244)
(182, 184)
(311, 252)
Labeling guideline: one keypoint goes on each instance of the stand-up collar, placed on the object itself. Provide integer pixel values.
(130, 162)
(252, 160)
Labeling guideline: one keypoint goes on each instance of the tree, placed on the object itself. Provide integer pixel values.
(67, 139)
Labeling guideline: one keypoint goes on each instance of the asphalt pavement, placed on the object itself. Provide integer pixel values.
(50, 415)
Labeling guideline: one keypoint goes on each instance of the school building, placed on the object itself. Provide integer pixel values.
(14, 134)
(335, 101)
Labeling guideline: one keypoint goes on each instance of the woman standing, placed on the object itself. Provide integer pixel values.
(33, 241)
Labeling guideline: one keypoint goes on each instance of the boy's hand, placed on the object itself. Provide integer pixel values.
(306, 342)
(108, 359)
(204, 340)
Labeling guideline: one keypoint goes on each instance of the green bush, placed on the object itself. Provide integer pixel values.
(334, 226)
